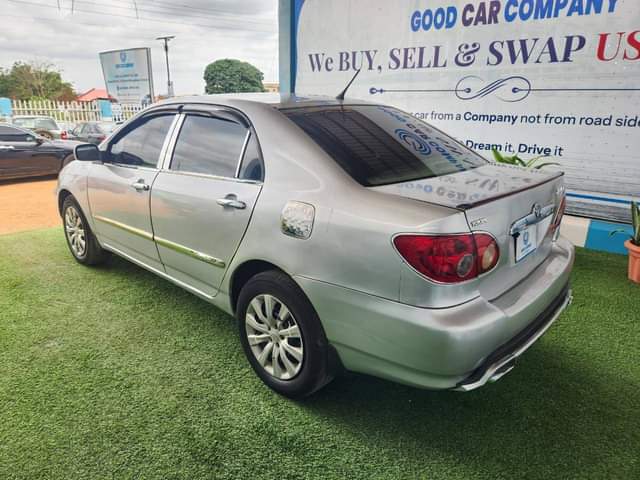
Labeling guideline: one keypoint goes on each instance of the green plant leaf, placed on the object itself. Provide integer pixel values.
(538, 167)
(518, 161)
(532, 161)
(635, 222)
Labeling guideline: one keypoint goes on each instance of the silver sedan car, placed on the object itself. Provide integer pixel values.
(340, 234)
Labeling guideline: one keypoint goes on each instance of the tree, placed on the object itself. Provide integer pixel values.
(232, 76)
(25, 81)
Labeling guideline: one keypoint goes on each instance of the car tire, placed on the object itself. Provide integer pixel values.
(291, 374)
(80, 239)
(45, 133)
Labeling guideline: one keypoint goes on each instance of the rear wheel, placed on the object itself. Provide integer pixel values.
(82, 243)
(282, 336)
(45, 133)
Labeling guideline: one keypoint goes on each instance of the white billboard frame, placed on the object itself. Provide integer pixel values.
(149, 71)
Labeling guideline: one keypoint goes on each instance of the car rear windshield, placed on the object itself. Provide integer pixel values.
(36, 123)
(380, 145)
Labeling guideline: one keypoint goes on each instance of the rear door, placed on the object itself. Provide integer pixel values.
(119, 189)
(201, 202)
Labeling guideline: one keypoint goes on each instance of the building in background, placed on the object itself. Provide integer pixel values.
(95, 94)
(271, 86)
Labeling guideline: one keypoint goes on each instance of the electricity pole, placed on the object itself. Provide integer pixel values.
(166, 54)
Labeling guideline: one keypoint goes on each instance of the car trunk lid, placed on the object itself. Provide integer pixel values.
(511, 203)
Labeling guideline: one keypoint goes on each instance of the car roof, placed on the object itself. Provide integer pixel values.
(271, 100)
(33, 116)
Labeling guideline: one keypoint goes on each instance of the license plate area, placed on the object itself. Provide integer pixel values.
(529, 238)
(526, 242)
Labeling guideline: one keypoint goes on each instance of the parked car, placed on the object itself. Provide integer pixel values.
(92, 132)
(46, 127)
(340, 234)
(25, 154)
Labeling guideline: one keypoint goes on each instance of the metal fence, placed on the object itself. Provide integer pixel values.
(73, 112)
(124, 111)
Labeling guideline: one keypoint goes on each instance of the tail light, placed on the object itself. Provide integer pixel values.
(557, 218)
(63, 135)
(449, 258)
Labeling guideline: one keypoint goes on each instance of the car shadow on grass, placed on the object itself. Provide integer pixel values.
(550, 414)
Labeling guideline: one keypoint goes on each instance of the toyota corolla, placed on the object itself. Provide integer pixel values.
(340, 234)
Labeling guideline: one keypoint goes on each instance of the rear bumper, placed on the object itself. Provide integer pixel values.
(502, 360)
(461, 347)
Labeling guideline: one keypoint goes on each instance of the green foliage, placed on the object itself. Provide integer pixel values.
(635, 225)
(232, 76)
(516, 160)
(27, 81)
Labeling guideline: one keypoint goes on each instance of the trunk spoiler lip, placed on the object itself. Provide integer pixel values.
(484, 201)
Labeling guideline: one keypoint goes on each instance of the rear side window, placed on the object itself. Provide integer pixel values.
(379, 145)
(209, 145)
(142, 145)
(252, 168)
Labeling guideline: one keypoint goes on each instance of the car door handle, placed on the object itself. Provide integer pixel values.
(231, 201)
(140, 186)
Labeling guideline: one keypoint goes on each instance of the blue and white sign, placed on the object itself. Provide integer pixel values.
(559, 78)
(128, 75)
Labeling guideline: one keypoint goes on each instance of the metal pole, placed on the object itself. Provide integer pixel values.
(166, 55)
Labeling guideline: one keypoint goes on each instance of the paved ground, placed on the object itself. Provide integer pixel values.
(28, 205)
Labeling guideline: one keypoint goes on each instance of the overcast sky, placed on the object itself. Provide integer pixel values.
(205, 30)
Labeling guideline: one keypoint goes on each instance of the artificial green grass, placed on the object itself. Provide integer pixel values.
(112, 372)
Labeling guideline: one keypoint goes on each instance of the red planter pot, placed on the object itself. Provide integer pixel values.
(634, 261)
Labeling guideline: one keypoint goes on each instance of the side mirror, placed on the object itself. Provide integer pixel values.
(87, 152)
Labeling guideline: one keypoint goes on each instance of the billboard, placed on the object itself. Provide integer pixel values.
(128, 75)
(530, 77)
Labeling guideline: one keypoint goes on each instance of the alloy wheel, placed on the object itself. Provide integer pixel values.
(74, 228)
(274, 337)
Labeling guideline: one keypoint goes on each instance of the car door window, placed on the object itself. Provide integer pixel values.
(252, 166)
(15, 135)
(209, 145)
(142, 145)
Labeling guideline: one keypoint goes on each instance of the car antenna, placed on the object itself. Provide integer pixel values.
(344, 92)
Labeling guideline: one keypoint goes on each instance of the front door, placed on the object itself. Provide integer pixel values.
(119, 188)
(200, 204)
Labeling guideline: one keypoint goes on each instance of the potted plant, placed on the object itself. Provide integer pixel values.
(517, 161)
(633, 244)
